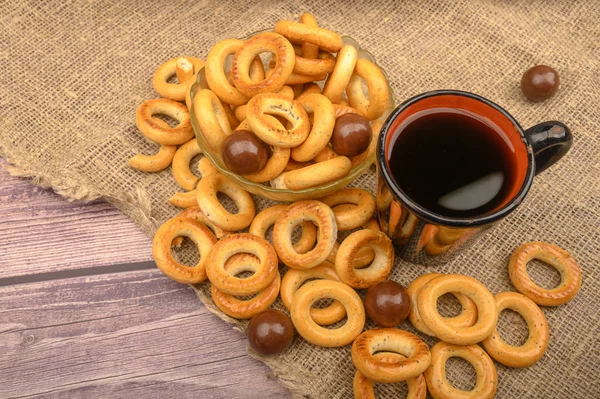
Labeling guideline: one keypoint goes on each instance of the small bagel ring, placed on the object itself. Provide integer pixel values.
(299, 212)
(293, 165)
(556, 257)
(157, 162)
(311, 292)
(173, 91)
(212, 118)
(466, 318)
(325, 155)
(379, 269)
(363, 387)
(322, 127)
(206, 196)
(537, 341)
(274, 166)
(300, 33)
(338, 80)
(196, 214)
(299, 78)
(379, 95)
(314, 66)
(272, 131)
(390, 340)
(244, 124)
(267, 217)
(161, 249)
(216, 77)
(363, 257)
(231, 245)
(154, 163)
(355, 216)
(157, 131)
(184, 200)
(239, 308)
(438, 385)
(313, 175)
(284, 55)
(293, 279)
(309, 50)
(487, 314)
(181, 164)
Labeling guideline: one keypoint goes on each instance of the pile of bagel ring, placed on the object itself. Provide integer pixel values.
(392, 355)
(310, 80)
(363, 258)
(317, 266)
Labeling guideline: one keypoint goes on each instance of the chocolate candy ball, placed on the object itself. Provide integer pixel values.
(387, 303)
(244, 153)
(270, 332)
(352, 135)
(539, 83)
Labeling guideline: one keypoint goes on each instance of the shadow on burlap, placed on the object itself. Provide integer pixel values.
(73, 75)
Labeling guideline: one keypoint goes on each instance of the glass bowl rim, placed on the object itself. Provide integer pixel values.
(354, 173)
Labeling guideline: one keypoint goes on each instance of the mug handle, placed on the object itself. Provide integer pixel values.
(550, 141)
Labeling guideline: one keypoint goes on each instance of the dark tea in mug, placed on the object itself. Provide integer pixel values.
(452, 162)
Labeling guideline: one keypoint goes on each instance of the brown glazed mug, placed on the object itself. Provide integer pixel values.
(427, 238)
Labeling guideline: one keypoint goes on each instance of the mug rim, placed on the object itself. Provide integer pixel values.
(430, 216)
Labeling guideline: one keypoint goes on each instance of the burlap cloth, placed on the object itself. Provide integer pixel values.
(73, 73)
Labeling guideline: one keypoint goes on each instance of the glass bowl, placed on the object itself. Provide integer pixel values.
(263, 189)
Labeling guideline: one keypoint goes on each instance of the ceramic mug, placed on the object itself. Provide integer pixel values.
(428, 238)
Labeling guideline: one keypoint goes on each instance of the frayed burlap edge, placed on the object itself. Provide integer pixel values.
(60, 184)
(137, 206)
(71, 190)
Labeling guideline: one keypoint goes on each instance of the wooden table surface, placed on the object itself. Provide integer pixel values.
(84, 312)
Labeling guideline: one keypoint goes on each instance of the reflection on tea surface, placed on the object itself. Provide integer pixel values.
(452, 162)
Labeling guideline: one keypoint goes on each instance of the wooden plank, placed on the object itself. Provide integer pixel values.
(120, 335)
(41, 232)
